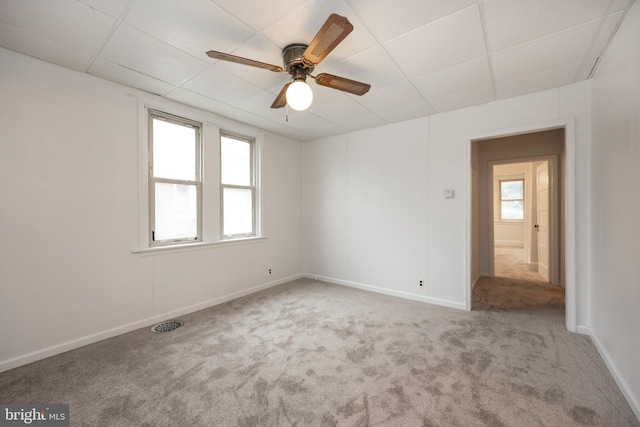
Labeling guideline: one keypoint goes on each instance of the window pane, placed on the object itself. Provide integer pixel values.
(174, 151)
(176, 211)
(512, 210)
(238, 208)
(511, 190)
(235, 161)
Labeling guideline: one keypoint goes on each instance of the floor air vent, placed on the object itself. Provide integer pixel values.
(167, 326)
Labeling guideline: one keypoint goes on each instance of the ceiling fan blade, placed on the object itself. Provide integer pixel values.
(340, 83)
(281, 99)
(239, 60)
(334, 30)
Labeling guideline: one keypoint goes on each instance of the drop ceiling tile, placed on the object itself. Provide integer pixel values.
(113, 8)
(222, 86)
(407, 112)
(511, 22)
(245, 117)
(373, 66)
(389, 19)
(308, 121)
(294, 134)
(323, 95)
(260, 105)
(366, 122)
(462, 100)
(344, 111)
(438, 44)
(546, 53)
(194, 26)
(451, 40)
(67, 22)
(260, 49)
(197, 100)
(537, 82)
(458, 78)
(116, 73)
(259, 14)
(43, 48)
(619, 5)
(303, 23)
(320, 133)
(609, 26)
(390, 97)
(142, 53)
(585, 69)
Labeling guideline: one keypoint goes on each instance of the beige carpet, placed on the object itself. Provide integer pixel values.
(309, 353)
(509, 262)
(515, 287)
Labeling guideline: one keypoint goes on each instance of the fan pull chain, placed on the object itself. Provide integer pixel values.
(286, 106)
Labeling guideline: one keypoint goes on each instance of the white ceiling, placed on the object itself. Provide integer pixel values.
(420, 56)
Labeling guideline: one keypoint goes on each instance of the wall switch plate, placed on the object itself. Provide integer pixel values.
(449, 193)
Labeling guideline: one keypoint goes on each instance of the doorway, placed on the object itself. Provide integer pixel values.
(525, 219)
(529, 143)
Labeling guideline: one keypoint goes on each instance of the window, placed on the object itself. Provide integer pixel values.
(175, 187)
(198, 185)
(512, 200)
(237, 179)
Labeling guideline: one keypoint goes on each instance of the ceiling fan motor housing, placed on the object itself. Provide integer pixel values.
(292, 58)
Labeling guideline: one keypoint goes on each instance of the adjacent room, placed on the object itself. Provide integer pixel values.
(322, 213)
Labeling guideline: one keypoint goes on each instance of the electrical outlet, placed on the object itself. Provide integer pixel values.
(420, 283)
(269, 271)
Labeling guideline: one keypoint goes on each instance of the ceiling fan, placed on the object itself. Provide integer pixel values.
(300, 60)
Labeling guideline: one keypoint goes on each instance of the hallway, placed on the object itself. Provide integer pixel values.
(509, 262)
(516, 288)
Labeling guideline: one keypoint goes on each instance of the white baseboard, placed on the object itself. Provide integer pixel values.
(34, 356)
(583, 330)
(628, 393)
(391, 292)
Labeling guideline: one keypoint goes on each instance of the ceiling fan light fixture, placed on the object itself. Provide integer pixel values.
(299, 95)
(300, 60)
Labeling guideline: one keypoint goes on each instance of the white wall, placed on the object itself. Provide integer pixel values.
(365, 201)
(375, 214)
(616, 206)
(69, 218)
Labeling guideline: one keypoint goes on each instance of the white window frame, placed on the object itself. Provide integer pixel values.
(251, 187)
(197, 181)
(511, 200)
(210, 177)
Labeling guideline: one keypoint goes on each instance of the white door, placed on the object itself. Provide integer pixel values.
(542, 185)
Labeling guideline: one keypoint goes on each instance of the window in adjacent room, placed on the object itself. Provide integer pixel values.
(238, 191)
(512, 200)
(175, 186)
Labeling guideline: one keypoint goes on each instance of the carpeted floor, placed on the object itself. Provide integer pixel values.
(515, 287)
(309, 353)
(509, 262)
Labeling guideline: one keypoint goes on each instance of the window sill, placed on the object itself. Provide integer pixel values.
(196, 246)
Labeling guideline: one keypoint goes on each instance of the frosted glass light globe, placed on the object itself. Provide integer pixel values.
(299, 95)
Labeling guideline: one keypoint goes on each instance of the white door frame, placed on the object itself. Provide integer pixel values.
(569, 197)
